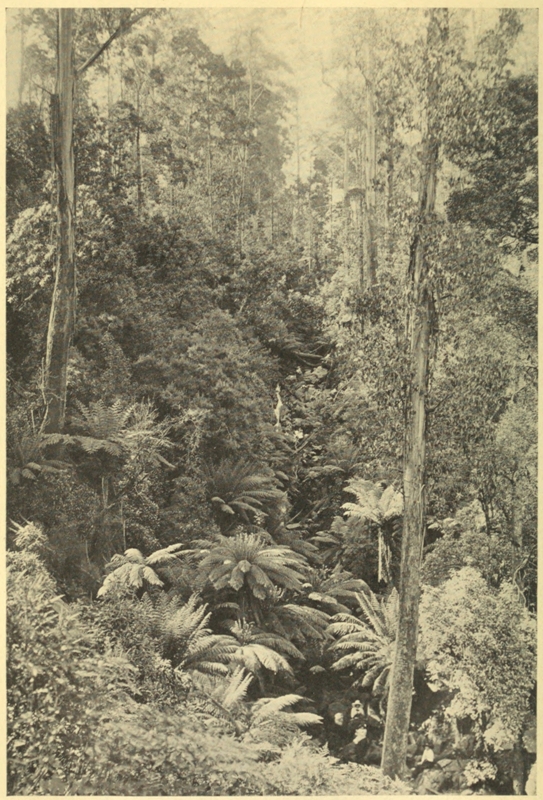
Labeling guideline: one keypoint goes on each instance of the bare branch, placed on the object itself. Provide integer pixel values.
(125, 25)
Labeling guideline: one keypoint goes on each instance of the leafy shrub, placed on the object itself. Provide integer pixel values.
(480, 643)
(143, 751)
(57, 684)
(306, 769)
(466, 542)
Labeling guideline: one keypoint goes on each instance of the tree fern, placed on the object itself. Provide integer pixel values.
(133, 571)
(121, 430)
(259, 650)
(102, 422)
(329, 588)
(27, 459)
(245, 562)
(274, 721)
(380, 506)
(298, 623)
(185, 639)
(367, 645)
(242, 488)
(224, 696)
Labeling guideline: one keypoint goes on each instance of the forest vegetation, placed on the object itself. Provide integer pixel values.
(271, 405)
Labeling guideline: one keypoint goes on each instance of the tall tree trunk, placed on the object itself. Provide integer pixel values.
(420, 328)
(389, 239)
(139, 166)
(62, 317)
(358, 226)
(518, 769)
(208, 161)
(346, 209)
(370, 172)
(22, 23)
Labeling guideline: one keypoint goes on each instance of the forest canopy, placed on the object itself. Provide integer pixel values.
(271, 320)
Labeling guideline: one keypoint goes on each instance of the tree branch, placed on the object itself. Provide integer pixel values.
(125, 25)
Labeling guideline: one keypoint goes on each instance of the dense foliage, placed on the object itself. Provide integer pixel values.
(204, 562)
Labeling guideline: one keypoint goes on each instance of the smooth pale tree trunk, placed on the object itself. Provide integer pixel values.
(62, 317)
(357, 225)
(420, 333)
(22, 23)
(370, 171)
(345, 203)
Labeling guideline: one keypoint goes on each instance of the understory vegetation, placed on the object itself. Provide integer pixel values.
(205, 549)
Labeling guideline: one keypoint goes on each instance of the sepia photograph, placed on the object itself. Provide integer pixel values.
(271, 400)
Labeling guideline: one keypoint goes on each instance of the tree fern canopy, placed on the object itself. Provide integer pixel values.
(132, 569)
(243, 488)
(367, 645)
(330, 587)
(103, 422)
(373, 501)
(245, 561)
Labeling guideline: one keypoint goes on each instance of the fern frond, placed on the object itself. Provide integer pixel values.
(237, 688)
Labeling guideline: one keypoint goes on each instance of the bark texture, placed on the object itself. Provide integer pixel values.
(518, 771)
(62, 317)
(370, 173)
(420, 336)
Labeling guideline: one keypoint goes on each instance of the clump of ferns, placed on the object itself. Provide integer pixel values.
(105, 438)
(275, 722)
(293, 620)
(365, 645)
(242, 490)
(184, 637)
(270, 720)
(223, 698)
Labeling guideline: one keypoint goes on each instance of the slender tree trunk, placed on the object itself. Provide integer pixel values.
(389, 238)
(208, 161)
(21, 86)
(357, 214)
(420, 328)
(370, 173)
(62, 317)
(139, 168)
(346, 209)
(518, 772)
